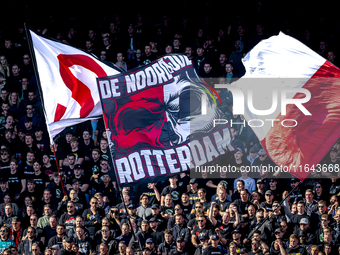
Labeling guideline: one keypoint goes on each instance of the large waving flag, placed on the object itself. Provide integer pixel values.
(301, 137)
(67, 77)
(154, 118)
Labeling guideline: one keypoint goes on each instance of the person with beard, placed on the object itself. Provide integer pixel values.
(180, 230)
(84, 243)
(92, 217)
(156, 213)
(223, 227)
(69, 218)
(236, 59)
(132, 214)
(336, 224)
(294, 246)
(213, 247)
(79, 223)
(172, 220)
(168, 244)
(268, 204)
(185, 204)
(201, 229)
(167, 210)
(126, 233)
(256, 248)
(180, 247)
(142, 235)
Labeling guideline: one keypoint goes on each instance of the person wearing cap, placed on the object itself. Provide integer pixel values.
(55, 249)
(268, 204)
(83, 181)
(173, 189)
(213, 248)
(156, 213)
(101, 183)
(132, 214)
(178, 210)
(331, 162)
(193, 193)
(142, 235)
(204, 243)
(150, 244)
(252, 156)
(273, 186)
(263, 160)
(67, 249)
(180, 247)
(156, 234)
(168, 244)
(278, 247)
(296, 195)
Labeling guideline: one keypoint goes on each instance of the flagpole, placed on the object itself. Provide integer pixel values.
(30, 45)
(263, 221)
(60, 175)
(120, 192)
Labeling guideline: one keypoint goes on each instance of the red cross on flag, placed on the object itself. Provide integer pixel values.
(67, 78)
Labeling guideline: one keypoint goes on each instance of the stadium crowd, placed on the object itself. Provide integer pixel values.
(182, 215)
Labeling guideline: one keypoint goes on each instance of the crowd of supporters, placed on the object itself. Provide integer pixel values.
(182, 215)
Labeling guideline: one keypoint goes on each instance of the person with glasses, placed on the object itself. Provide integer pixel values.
(5, 241)
(31, 114)
(26, 245)
(35, 249)
(16, 231)
(68, 218)
(92, 217)
(105, 237)
(202, 228)
(320, 194)
(178, 210)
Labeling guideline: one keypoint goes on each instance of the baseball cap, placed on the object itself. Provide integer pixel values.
(55, 247)
(155, 206)
(278, 230)
(153, 219)
(68, 240)
(180, 239)
(78, 166)
(149, 240)
(193, 180)
(269, 192)
(131, 206)
(304, 221)
(215, 237)
(262, 152)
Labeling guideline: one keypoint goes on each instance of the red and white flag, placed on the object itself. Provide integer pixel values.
(301, 147)
(68, 82)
